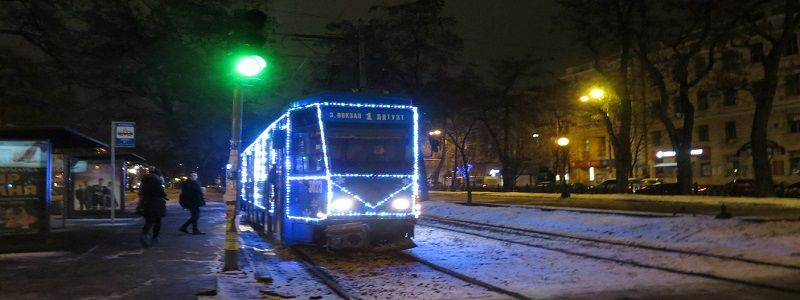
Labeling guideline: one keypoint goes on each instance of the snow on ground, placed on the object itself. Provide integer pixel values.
(775, 241)
(713, 200)
(539, 273)
(542, 273)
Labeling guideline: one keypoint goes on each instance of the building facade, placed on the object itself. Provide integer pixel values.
(721, 137)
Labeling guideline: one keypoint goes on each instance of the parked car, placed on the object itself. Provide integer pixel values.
(659, 189)
(610, 185)
(544, 187)
(670, 189)
(650, 181)
(792, 190)
(741, 187)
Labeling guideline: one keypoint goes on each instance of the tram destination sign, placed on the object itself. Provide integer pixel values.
(368, 115)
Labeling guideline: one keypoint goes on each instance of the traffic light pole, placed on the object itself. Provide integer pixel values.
(232, 187)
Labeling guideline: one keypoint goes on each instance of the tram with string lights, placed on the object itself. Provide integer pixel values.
(340, 170)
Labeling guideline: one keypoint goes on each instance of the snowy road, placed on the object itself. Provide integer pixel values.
(555, 267)
(394, 276)
(671, 258)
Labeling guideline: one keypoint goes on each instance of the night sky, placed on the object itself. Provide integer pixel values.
(491, 30)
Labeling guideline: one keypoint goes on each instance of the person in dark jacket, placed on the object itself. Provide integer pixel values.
(153, 200)
(192, 199)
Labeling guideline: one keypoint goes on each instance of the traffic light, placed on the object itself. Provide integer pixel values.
(251, 28)
(247, 56)
(250, 65)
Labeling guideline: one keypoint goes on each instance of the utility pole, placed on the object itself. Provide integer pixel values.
(231, 201)
(248, 67)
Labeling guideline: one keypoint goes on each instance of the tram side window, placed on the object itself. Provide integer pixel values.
(307, 155)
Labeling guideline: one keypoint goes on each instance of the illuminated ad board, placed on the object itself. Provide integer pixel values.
(91, 186)
(24, 193)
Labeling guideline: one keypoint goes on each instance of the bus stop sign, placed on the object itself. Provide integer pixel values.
(125, 134)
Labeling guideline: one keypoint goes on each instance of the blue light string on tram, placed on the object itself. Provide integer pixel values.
(328, 185)
(328, 176)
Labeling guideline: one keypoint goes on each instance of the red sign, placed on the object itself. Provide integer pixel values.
(585, 164)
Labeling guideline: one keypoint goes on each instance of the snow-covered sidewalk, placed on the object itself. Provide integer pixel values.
(777, 241)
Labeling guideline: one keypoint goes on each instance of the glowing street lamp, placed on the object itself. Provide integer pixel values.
(562, 143)
(597, 93)
(435, 132)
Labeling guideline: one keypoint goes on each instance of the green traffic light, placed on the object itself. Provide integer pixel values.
(251, 65)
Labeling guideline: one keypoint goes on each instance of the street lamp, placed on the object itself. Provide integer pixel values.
(434, 139)
(564, 161)
(595, 93)
(248, 68)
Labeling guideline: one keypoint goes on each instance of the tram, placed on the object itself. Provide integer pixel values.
(340, 170)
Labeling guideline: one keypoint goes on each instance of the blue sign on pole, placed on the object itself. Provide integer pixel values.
(125, 134)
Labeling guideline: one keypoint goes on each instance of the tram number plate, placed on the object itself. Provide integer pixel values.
(316, 186)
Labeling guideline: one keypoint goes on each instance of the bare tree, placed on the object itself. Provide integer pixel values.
(504, 118)
(607, 30)
(776, 31)
(678, 43)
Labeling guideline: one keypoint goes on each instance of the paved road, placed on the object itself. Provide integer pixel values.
(92, 259)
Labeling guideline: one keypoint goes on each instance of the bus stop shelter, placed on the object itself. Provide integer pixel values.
(34, 171)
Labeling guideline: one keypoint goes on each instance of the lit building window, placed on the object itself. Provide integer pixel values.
(778, 168)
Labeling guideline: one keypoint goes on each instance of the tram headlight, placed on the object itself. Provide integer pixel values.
(401, 203)
(342, 204)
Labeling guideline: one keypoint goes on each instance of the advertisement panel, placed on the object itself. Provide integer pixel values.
(24, 192)
(92, 187)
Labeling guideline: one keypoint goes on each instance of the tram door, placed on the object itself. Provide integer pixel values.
(276, 222)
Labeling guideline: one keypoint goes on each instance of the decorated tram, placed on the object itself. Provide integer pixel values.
(341, 170)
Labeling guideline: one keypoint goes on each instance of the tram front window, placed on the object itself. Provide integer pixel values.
(369, 149)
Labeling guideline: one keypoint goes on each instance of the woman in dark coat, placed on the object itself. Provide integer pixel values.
(152, 199)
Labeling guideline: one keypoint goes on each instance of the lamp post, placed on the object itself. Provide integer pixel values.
(248, 67)
(433, 137)
(562, 145)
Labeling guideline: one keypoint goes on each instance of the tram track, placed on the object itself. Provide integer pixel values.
(323, 275)
(484, 230)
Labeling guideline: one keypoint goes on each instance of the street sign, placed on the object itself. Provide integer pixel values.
(125, 134)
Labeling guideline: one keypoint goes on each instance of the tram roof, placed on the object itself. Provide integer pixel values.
(351, 97)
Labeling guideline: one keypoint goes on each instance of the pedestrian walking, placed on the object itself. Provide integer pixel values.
(192, 199)
(153, 202)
